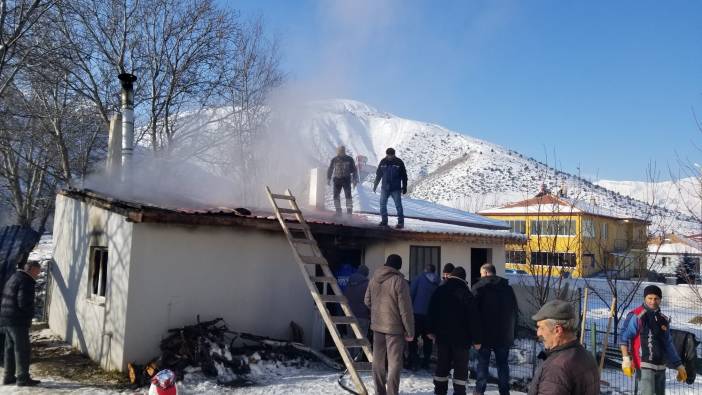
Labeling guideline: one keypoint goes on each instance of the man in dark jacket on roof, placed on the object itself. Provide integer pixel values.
(16, 313)
(392, 322)
(498, 310)
(422, 289)
(342, 173)
(453, 322)
(393, 174)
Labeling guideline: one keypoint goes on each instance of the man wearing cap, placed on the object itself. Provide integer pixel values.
(453, 323)
(392, 172)
(567, 368)
(392, 322)
(647, 345)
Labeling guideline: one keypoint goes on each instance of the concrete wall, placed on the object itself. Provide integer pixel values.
(97, 329)
(247, 277)
(457, 253)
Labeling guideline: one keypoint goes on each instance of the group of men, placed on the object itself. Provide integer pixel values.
(456, 317)
(444, 312)
(391, 174)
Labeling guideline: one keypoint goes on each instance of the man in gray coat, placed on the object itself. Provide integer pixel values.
(392, 322)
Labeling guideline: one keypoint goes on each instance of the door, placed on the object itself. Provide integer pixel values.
(478, 257)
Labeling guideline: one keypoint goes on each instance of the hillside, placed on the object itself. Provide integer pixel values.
(458, 170)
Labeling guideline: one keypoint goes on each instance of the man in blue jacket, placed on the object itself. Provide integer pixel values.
(646, 338)
(421, 290)
(393, 174)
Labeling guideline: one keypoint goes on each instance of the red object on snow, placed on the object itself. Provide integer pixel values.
(164, 383)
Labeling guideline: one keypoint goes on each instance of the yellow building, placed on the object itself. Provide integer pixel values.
(567, 237)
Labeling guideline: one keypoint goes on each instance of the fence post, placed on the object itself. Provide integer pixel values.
(593, 339)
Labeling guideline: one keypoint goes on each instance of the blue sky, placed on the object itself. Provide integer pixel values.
(597, 87)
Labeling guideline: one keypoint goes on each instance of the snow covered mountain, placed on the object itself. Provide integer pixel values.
(682, 195)
(458, 170)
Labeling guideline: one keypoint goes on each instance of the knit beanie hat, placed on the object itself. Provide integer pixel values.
(448, 268)
(459, 272)
(362, 270)
(394, 261)
(653, 289)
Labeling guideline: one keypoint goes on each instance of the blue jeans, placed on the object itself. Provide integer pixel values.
(397, 198)
(501, 354)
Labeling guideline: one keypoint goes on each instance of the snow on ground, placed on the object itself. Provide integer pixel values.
(290, 381)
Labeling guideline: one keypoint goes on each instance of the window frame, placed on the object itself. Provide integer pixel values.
(97, 274)
(537, 225)
(413, 269)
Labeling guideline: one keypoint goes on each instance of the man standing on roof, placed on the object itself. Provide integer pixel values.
(646, 337)
(392, 172)
(343, 170)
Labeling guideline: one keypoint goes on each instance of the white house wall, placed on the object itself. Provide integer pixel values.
(454, 252)
(95, 329)
(246, 276)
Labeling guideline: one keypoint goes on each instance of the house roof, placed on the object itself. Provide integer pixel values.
(359, 225)
(368, 202)
(549, 204)
(674, 244)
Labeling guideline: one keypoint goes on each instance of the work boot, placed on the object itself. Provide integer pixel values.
(8, 381)
(28, 383)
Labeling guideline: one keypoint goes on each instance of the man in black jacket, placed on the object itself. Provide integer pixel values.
(498, 311)
(342, 170)
(453, 323)
(16, 312)
(393, 174)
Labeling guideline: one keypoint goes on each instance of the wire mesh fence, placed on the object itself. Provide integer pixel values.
(684, 310)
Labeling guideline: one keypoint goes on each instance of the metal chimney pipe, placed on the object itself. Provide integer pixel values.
(114, 146)
(127, 97)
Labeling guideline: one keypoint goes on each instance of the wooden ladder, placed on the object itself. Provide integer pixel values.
(309, 257)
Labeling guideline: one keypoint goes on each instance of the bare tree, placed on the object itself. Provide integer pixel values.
(17, 18)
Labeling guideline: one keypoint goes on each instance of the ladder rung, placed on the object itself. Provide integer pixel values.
(341, 319)
(296, 226)
(323, 279)
(303, 241)
(279, 196)
(363, 366)
(313, 260)
(355, 343)
(333, 298)
(289, 211)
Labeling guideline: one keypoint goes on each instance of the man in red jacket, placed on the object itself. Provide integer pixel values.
(646, 334)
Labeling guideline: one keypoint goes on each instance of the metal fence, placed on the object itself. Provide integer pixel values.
(683, 308)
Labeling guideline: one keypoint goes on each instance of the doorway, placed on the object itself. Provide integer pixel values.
(478, 257)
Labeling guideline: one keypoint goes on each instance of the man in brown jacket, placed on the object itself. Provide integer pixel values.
(567, 369)
(392, 322)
